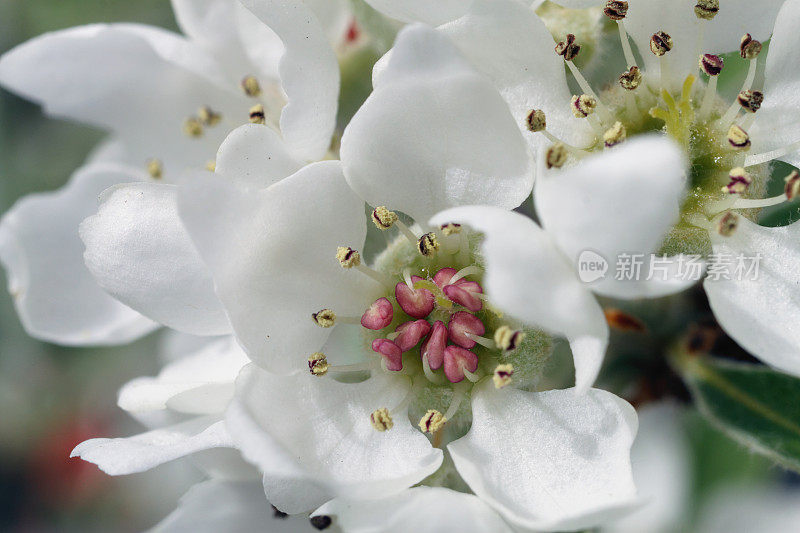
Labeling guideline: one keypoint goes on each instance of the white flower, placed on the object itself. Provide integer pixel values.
(146, 86)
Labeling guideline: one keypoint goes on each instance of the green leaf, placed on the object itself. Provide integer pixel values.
(754, 405)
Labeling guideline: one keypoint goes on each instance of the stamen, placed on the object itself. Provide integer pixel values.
(417, 303)
(583, 105)
(602, 110)
(192, 127)
(318, 364)
(464, 272)
(383, 218)
(257, 114)
(706, 9)
(711, 65)
(324, 318)
(792, 189)
(450, 229)
(463, 324)
(508, 339)
(556, 156)
(536, 120)
(615, 10)
(406, 231)
(733, 110)
(251, 87)
(432, 350)
(750, 100)
(483, 341)
(474, 377)
(502, 376)
(749, 48)
(410, 333)
(458, 362)
(208, 116)
(350, 258)
(378, 315)
(631, 79)
(436, 379)
(432, 421)
(740, 180)
(630, 59)
(155, 169)
(616, 135)
(568, 48)
(738, 138)
(661, 43)
(428, 244)
(381, 420)
(211, 165)
(459, 393)
(392, 355)
(774, 154)
(620, 320)
(727, 224)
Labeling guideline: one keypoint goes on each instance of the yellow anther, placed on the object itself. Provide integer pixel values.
(324, 318)
(583, 105)
(738, 138)
(383, 218)
(428, 244)
(615, 135)
(155, 168)
(257, 115)
(208, 116)
(556, 155)
(192, 127)
(450, 229)
(631, 79)
(508, 339)
(432, 421)
(750, 100)
(502, 376)
(251, 87)
(706, 9)
(749, 48)
(348, 257)
(536, 120)
(661, 43)
(381, 419)
(318, 364)
(211, 165)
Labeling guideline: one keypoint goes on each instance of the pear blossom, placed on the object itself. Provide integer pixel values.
(167, 101)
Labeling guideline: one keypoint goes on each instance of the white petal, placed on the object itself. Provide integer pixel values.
(507, 42)
(191, 384)
(523, 266)
(255, 156)
(230, 506)
(272, 253)
(761, 314)
(778, 121)
(421, 510)
(661, 472)
(433, 13)
(137, 81)
(138, 250)
(434, 134)
(56, 297)
(315, 434)
(750, 508)
(622, 201)
(147, 450)
(309, 75)
(551, 460)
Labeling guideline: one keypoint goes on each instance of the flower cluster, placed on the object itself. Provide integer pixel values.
(364, 316)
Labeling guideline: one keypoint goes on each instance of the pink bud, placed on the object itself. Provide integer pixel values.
(390, 352)
(456, 359)
(463, 292)
(433, 347)
(417, 303)
(462, 323)
(379, 315)
(411, 333)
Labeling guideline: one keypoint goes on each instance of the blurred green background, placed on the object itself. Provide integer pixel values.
(51, 398)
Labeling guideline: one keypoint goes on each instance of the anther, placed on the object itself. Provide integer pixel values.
(348, 257)
(622, 321)
(211, 165)
(727, 224)
(660, 43)
(706, 9)
(738, 138)
(433, 347)
(391, 353)
(740, 180)
(536, 120)
(381, 420)
(508, 339)
(432, 421)
(459, 363)
(417, 303)
(324, 318)
(502, 375)
(631, 79)
(318, 364)
(383, 218)
(192, 127)
(568, 48)
(428, 244)
(749, 47)
(450, 229)
(750, 100)
(155, 168)
(556, 155)
(251, 87)
(711, 64)
(583, 105)
(463, 324)
(320, 522)
(378, 315)
(410, 333)
(615, 10)
(792, 188)
(615, 135)
(257, 115)
(208, 116)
